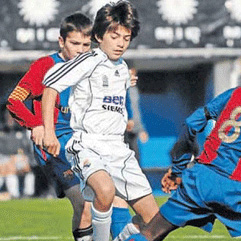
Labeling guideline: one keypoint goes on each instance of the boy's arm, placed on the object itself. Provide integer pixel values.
(18, 109)
(29, 88)
(51, 142)
(186, 146)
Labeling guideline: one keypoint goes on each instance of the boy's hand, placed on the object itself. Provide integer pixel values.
(51, 144)
(170, 182)
(134, 77)
(37, 135)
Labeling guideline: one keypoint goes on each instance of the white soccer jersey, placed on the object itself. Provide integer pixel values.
(98, 96)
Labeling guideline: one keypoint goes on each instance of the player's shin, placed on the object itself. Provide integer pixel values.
(120, 218)
(101, 224)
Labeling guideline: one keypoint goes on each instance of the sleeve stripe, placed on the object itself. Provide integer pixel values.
(19, 94)
(65, 65)
(50, 82)
(59, 73)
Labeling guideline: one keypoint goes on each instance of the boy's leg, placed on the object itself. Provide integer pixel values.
(146, 207)
(120, 216)
(81, 222)
(77, 201)
(29, 184)
(157, 229)
(12, 184)
(101, 209)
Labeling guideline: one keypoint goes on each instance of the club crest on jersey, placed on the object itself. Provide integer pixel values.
(87, 163)
(105, 81)
(117, 73)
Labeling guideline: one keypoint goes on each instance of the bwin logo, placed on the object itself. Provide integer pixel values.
(105, 81)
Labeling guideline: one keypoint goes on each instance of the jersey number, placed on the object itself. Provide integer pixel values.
(233, 123)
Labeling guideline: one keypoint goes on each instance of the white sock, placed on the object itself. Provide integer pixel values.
(12, 184)
(128, 230)
(85, 238)
(29, 183)
(101, 224)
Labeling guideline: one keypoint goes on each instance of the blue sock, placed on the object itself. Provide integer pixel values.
(120, 217)
(137, 237)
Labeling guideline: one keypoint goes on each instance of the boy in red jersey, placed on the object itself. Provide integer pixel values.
(75, 32)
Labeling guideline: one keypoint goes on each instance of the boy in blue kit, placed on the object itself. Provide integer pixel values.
(209, 188)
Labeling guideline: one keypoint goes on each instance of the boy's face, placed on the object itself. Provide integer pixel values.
(115, 42)
(74, 44)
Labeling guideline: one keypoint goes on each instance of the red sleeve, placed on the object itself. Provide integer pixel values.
(30, 87)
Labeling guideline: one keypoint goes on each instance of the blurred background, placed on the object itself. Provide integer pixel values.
(187, 52)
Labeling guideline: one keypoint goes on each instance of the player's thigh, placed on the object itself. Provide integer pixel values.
(119, 202)
(225, 201)
(146, 207)
(186, 205)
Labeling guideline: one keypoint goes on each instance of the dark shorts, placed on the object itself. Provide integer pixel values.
(203, 196)
(55, 167)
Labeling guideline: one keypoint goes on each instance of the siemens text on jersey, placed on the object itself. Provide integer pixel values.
(118, 102)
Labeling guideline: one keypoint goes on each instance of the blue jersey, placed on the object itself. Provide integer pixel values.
(222, 148)
(63, 120)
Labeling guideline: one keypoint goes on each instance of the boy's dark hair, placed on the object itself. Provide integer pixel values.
(113, 14)
(75, 22)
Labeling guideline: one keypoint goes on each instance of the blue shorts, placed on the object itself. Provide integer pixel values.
(203, 196)
(55, 167)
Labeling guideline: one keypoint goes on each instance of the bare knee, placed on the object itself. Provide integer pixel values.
(104, 189)
(104, 197)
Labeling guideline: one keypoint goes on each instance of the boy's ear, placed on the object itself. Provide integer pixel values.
(98, 38)
(61, 42)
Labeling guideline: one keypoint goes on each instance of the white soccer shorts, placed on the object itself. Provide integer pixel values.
(89, 153)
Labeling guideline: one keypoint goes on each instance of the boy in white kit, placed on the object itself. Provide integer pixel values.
(97, 151)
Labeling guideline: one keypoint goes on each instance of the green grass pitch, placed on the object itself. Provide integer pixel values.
(42, 219)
